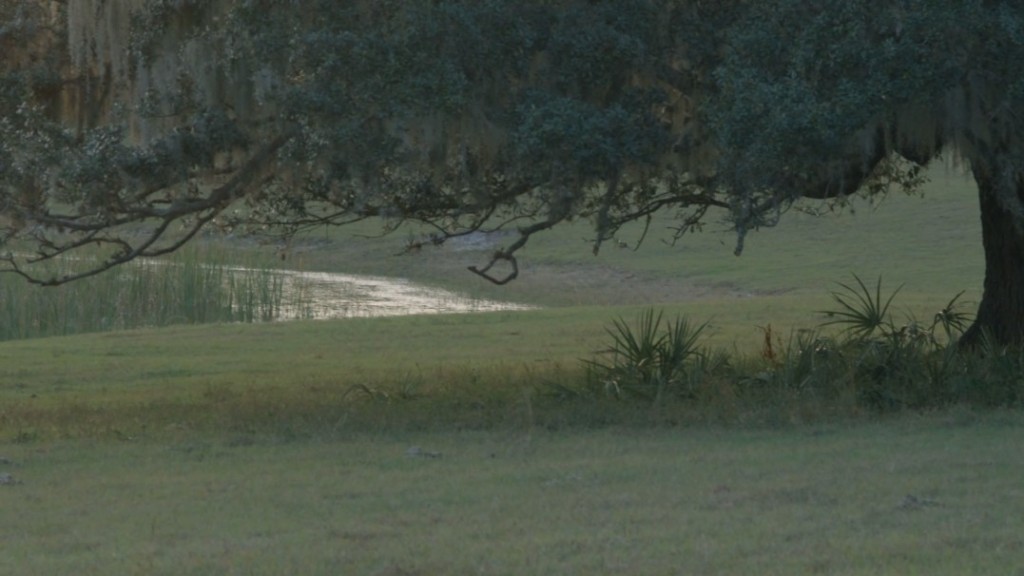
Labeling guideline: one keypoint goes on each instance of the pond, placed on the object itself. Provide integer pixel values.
(324, 295)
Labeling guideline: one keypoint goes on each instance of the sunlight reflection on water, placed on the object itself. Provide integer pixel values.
(323, 295)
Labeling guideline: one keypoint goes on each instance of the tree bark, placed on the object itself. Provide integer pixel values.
(1000, 315)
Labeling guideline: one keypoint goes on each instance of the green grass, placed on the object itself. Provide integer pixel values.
(308, 375)
(916, 495)
(932, 244)
(282, 448)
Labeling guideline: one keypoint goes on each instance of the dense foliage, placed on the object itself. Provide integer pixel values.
(825, 101)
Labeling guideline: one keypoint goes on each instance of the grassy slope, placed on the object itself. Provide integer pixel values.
(206, 486)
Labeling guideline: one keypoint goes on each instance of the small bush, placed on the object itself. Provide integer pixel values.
(860, 313)
(651, 358)
(873, 363)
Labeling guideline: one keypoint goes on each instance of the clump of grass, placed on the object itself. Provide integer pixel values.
(195, 286)
(895, 365)
(860, 312)
(864, 315)
(652, 358)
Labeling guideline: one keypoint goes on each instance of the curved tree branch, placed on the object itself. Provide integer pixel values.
(508, 254)
(199, 212)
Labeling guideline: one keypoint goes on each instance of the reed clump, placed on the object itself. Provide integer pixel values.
(197, 285)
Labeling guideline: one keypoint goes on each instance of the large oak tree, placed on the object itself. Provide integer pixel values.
(127, 126)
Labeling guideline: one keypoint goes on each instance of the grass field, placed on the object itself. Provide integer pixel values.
(308, 447)
(914, 495)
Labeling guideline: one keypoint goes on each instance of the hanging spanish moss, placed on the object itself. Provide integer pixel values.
(149, 63)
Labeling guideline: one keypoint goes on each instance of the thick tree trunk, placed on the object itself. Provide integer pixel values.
(1001, 312)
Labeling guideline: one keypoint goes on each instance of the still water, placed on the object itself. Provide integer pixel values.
(323, 295)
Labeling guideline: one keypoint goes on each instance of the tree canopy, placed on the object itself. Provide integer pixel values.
(127, 126)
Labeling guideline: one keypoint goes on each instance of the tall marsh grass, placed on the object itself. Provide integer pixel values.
(196, 285)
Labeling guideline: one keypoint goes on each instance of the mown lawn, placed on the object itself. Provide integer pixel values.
(934, 494)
